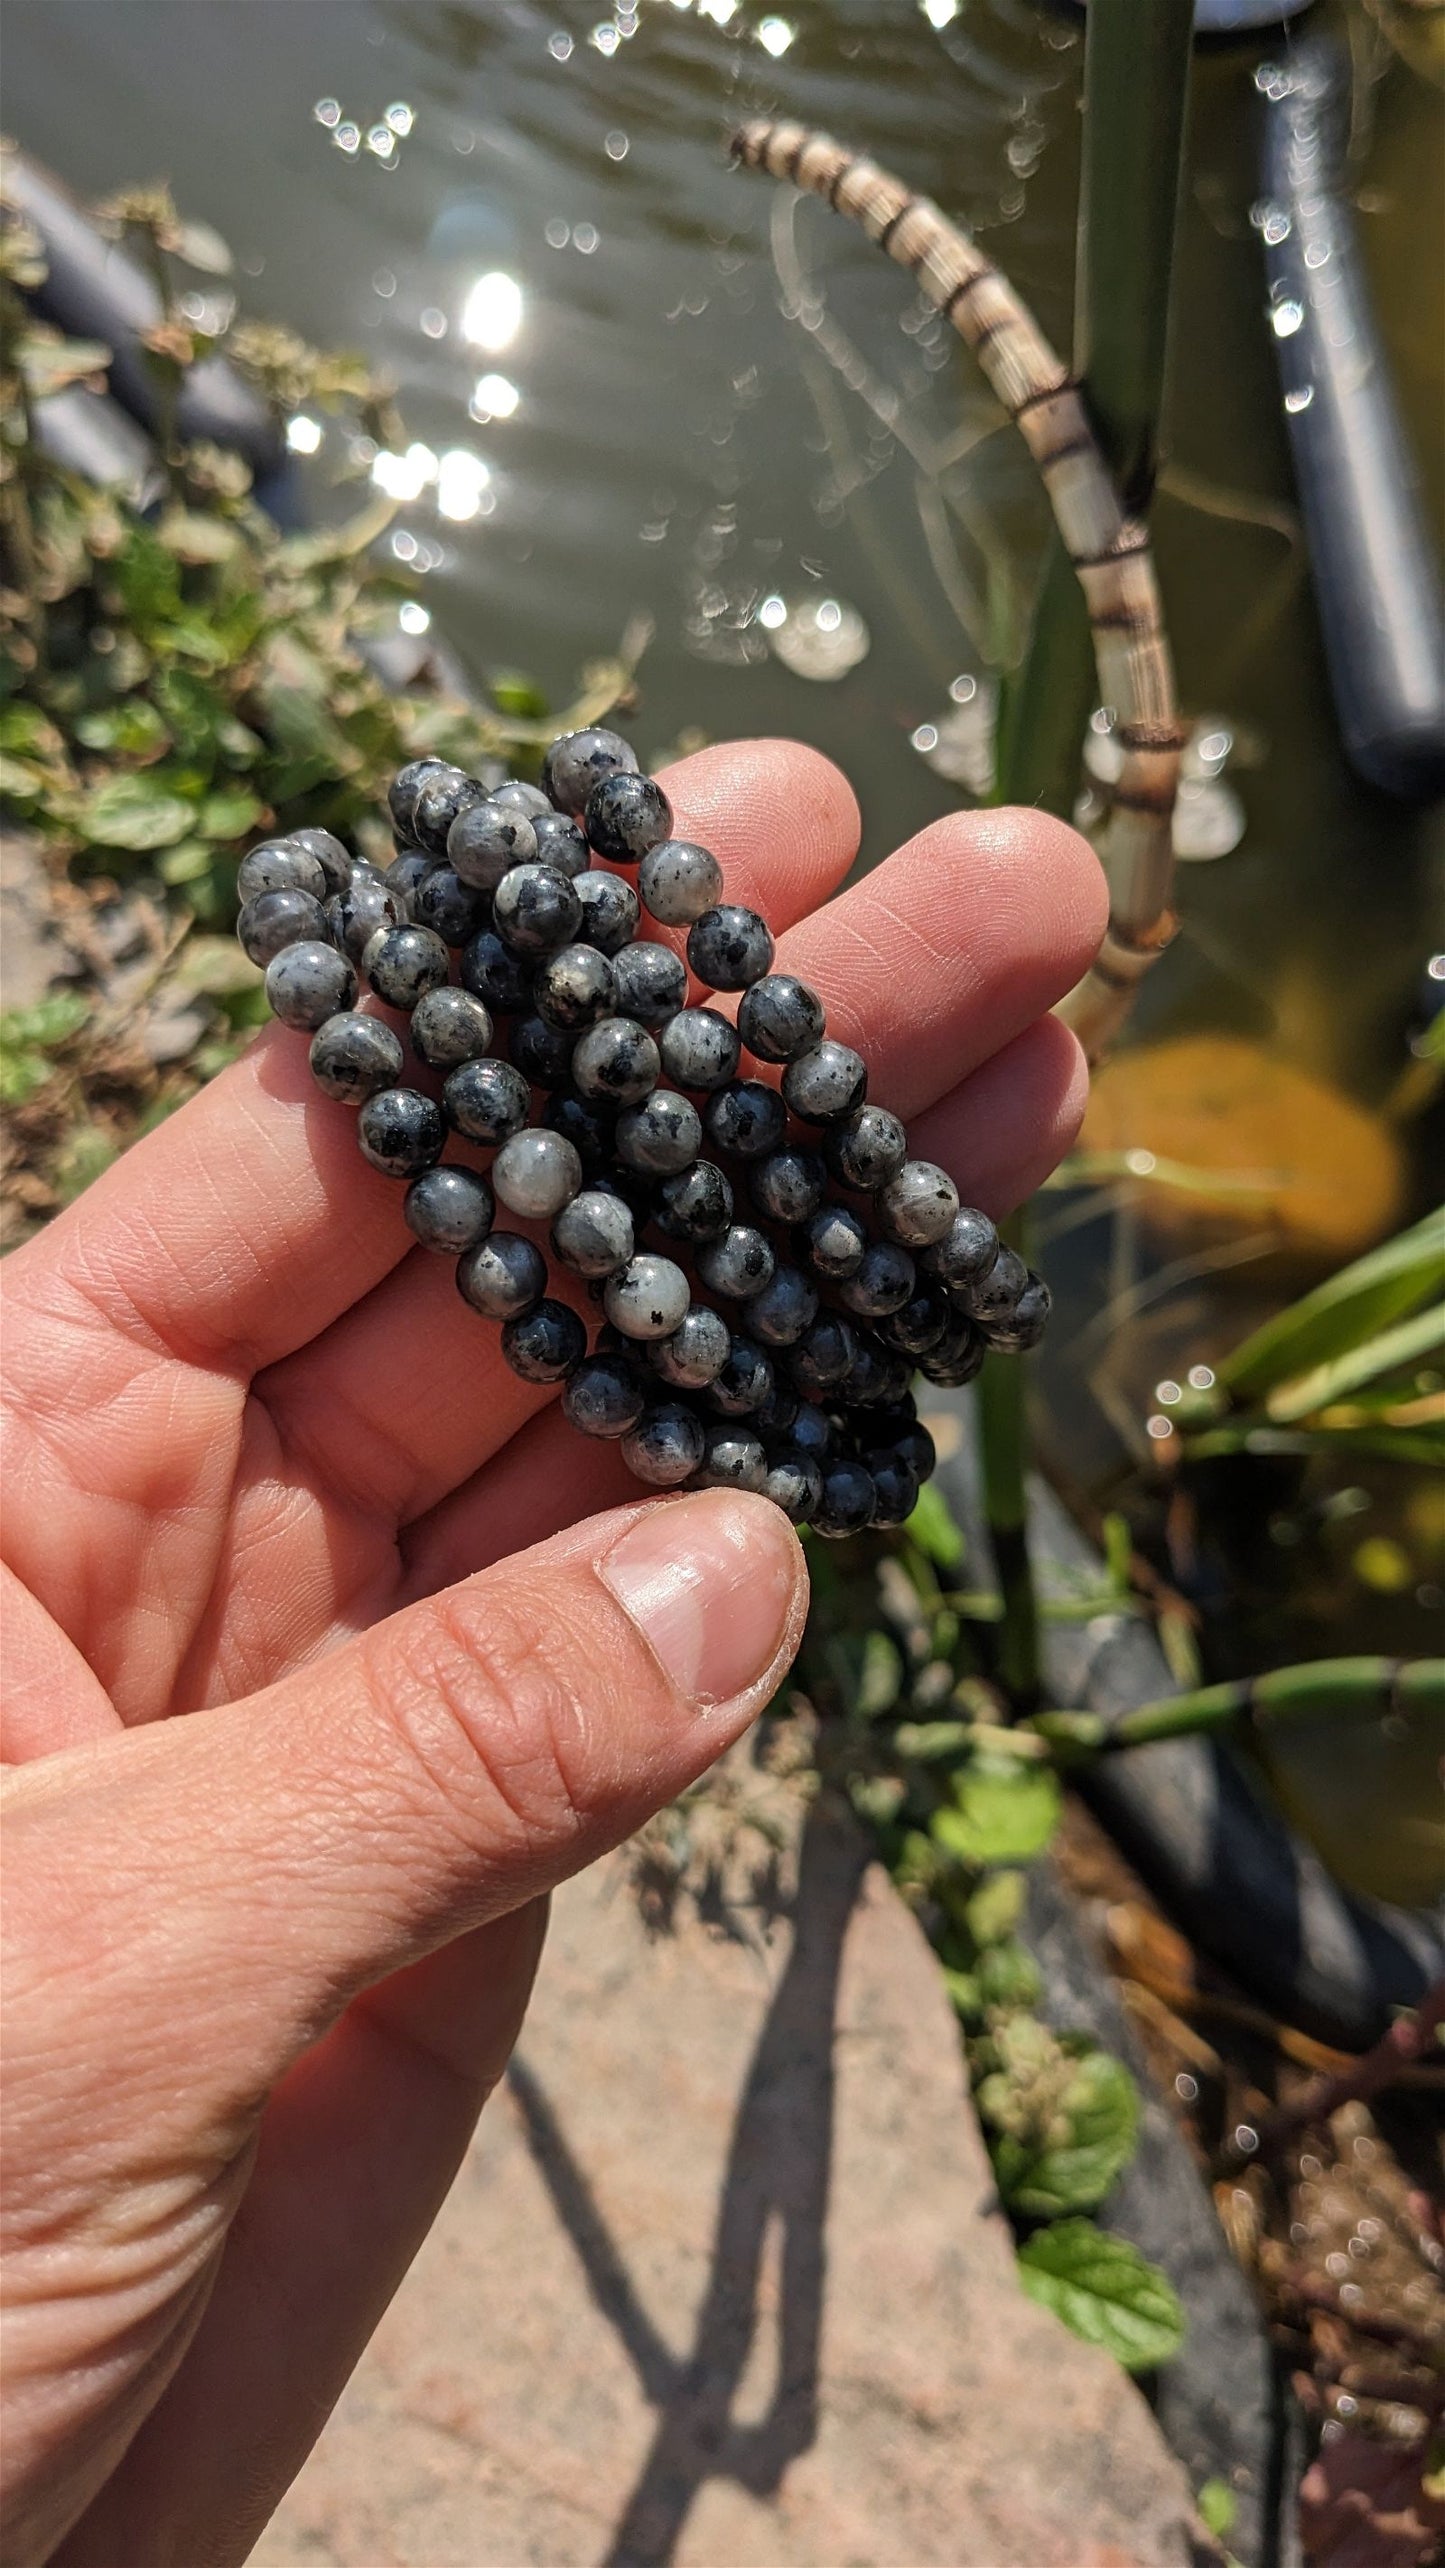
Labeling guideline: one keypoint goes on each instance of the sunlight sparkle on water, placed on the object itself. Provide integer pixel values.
(327, 112)
(722, 12)
(493, 397)
(347, 138)
(401, 118)
(559, 46)
(461, 479)
(775, 35)
(382, 142)
(303, 435)
(492, 313)
(404, 476)
(413, 617)
(1287, 317)
(772, 613)
(939, 13)
(1299, 399)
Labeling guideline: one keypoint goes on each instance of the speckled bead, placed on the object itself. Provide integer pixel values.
(542, 1052)
(356, 915)
(786, 1306)
(449, 1026)
(698, 1205)
(883, 1280)
(822, 1356)
(647, 1297)
(535, 910)
(535, 1174)
(744, 1384)
(594, 1234)
(738, 1264)
(780, 1017)
(678, 880)
(448, 1209)
(404, 875)
(447, 905)
(400, 1131)
(605, 1397)
(404, 789)
(546, 1343)
(403, 963)
(627, 815)
(788, 1185)
(993, 1299)
(1024, 1329)
(660, 1137)
(439, 806)
(487, 1101)
(611, 912)
(666, 1447)
(732, 1459)
(966, 1251)
(729, 947)
(588, 1127)
(650, 983)
(846, 1501)
(307, 983)
(825, 1085)
(278, 865)
(794, 1483)
(514, 795)
(775, 1417)
(616, 1060)
(745, 1118)
(560, 842)
(334, 860)
(505, 1275)
(574, 987)
(919, 1204)
(919, 1325)
(876, 1378)
(577, 763)
(958, 1359)
(273, 920)
(699, 1048)
(695, 1353)
(354, 1055)
(867, 1150)
(834, 1242)
(486, 841)
(493, 972)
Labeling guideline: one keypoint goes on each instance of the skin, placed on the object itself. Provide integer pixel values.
(316, 1688)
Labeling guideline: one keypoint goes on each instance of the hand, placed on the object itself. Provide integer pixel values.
(323, 1669)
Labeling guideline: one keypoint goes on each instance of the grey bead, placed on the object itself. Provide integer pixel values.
(789, 1184)
(617, 1060)
(542, 1052)
(919, 1325)
(400, 1131)
(439, 806)
(487, 1100)
(447, 905)
(867, 1150)
(505, 1275)
(677, 881)
(732, 1459)
(660, 1137)
(834, 1242)
(794, 1483)
(650, 983)
(826, 1084)
(876, 1377)
(666, 1447)
(746, 1118)
(352, 1056)
(580, 760)
(919, 1204)
(334, 860)
(594, 1234)
(697, 1205)
(405, 873)
(729, 947)
(626, 815)
(535, 1174)
(515, 796)
(561, 843)
(647, 1297)
(743, 1385)
(448, 1209)
(610, 911)
(403, 963)
(535, 910)
(273, 920)
(994, 1297)
(823, 1355)
(573, 988)
(699, 1048)
(883, 1280)
(404, 789)
(786, 1306)
(780, 1017)
(895, 1490)
(738, 1264)
(546, 1343)
(494, 973)
(307, 983)
(278, 865)
(449, 1026)
(1029, 1319)
(966, 1251)
(605, 1397)
(846, 1502)
(358, 914)
(696, 1352)
(486, 841)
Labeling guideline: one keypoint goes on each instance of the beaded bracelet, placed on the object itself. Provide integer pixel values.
(852, 1265)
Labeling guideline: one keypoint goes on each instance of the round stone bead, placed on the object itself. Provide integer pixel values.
(823, 1355)
(966, 1251)
(876, 1378)
(780, 1017)
(448, 1209)
(449, 1026)
(610, 911)
(813, 1433)
(993, 1300)
(546, 1343)
(560, 842)
(677, 881)
(486, 1100)
(650, 983)
(403, 963)
(793, 1483)
(745, 1118)
(699, 1048)
(535, 1174)
(307, 983)
(883, 1280)
(1030, 1319)
(647, 1297)
(400, 1131)
(594, 1234)
(279, 866)
(542, 1052)
(352, 1056)
(919, 1326)
(356, 915)
(575, 764)
(573, 987)
(660, 1137)
(616, 1060)
(486, 841)
(492, 972)
(605, 1397)
(825, 1085)
(738, 1264)
(447, 905)
(919, 1204)
(895, 1491)
(788, 1185)
(439, 806)
(406, 872)
(912, 1445)
(273, 920)
(867, 1150)
(505, 1275)
(728, 947)
(535, 910)
(958, 1359)
(744, 1384)
(589, 1128)
(696, 1352)
(666, 1447)
(334, 860)
(404, 788)
(732, 1459)
(846, 1502)
(697, 1205)
(516, 796)
(786, 1306)
(777, 1413)
(626, 815)
(835, 1241)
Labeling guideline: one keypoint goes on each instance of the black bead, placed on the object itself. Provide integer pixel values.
(823, 1356)
(867, 1150)
(486, 840)
(650, 983)
(535, 910)
(698, 1205)
(271, 921)
(1029, 1319)
(605, 1397)
(918, 1326)
(367, 904)
(504, 1275)
(579, 761)
(611, 912)
(883, 1281)
(546, 1343)
(786, 1306)
(448, 1209)
(966, 1251)
(410, 869)
(847, 1500)
(732, 1459)
(729, 947)
(895, 1490)
(745, 1118)
(827, 1084)
(780, 1017)
(487, 1100)
(588, 1127)
(994, 1298)
(354, 1055)
(625, 815)
(440, 804)
(443, 902)
(744, 1383)
(789, 1184)
(561, 843)
(403, 963)
(400, 1131)
(793, 1483)
(542, 1052)
(835, 1242)
(404, 789)
(811, 1431)
(449, 1026)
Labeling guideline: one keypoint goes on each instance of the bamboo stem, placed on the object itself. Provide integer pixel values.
(1345, 1689)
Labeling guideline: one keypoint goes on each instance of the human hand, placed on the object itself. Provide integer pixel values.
(323, 1669)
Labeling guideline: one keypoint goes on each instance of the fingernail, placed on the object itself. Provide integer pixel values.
(715, 1585)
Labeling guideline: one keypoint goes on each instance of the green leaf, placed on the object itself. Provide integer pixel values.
(216, 966)
(1218, 2507)
(133, 812)
(932, 1528)
(1004, 1812)
(1100, 2106)
(130, 730)
(994, 1909)
(49, 365)
(148, 578)
(1408, 1343)
(1347, 1308)
(187, 862)
(231, 813)
(29, 1035)
(1104, 2291)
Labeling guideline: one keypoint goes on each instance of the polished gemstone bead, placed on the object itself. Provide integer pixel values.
(812, 1432)
(650, 982)
(918, 1205)
(356, 915)
(605, 1397)
(1014, 1336)
(505, 1275)
(660, 1137)
(876, 1378)
(573, 987)
(561, 843)
(789, 1184)
(444, 903)
(883, 1280)
(677, 881)
(617, 1060)
(738, 1264)
(911, 1445)
(780, 1017)
(334, 860)
(610, 911)
(486, 841)
(696, 1352)
(575, 764)
(307, 983)
(588, 1127)
(487, 1100)
(793, 1483)
(279, 865)
(919, 1325)
(353, 1056)
(535, 1174)
(732, 1459)
(542, 1052)
(546, 1343)
(404, 789)
(699, 1048)
(666, 1447)
(966, 1251)
(729, 947)
(846, 1502)
(745, 1118)
(406, 873)
(400, 1131)
(959, 1357)
(594, 1234)
(494, 973)
(867, 1150)
(273, 920)
(993, 1299)
(825, 1085)
(449, 1026)
(775, 1417)
(744, 1384)
(625, 816)
(786, 1306)
(647, 1297)
(448, 1209)
(516, 796)
(823, 1355)
(895, 1491)
(535, 909)
(439, 806)
(698, 1205)
(834, 1243)
(403, 963)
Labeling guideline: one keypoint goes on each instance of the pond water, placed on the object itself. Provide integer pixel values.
(524, 214)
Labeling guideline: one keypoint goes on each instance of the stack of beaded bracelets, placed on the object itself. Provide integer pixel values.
(859, 1266)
